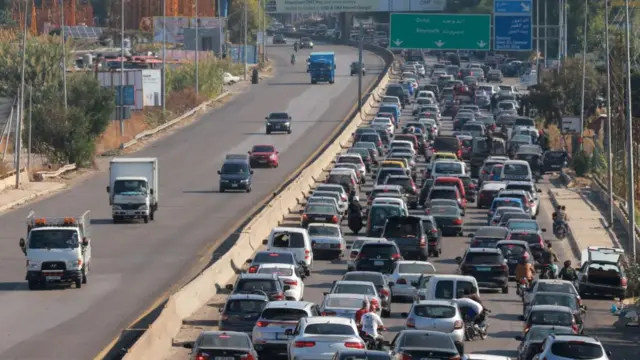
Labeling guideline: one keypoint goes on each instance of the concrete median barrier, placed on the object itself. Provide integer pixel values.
(156, 342)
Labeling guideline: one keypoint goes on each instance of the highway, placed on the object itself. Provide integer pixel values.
(134, 264)
(504, 323)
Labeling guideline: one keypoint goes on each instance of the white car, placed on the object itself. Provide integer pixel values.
(421, 71)
(383, 123)
(405, 275)
(355, 250)
(228, 79)
(392, 100)
(287, 275)
(431, 123)
(326, 239)
(392, 201)
(319, 338)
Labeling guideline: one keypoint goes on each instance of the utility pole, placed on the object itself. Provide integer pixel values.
(538, 38)
(584, 70)
(121, 67)
(30, 126)
(197, 51)
(246, 31)
(18, 134)
(609, 147)
(560, 31)
(264, 31)
(164, 57)
(220, 28)
(630, 180)
(360, 67)
(64, 54)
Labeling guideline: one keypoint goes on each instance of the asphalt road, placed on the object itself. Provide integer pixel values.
(133, 264)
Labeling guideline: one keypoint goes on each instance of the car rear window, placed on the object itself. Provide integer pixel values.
(373, 250)
(224, 340)
(320, 209)
(288, 240)
(555, 287)
(323, 231)
(512, 250)
(329, 329)
(415, 269)
(430, 340)
(482, 258)
(350, 160)
(506, 203)
(283, 314)
(525, 187)
(448, 168)
(274, 258)
(549, 317)
(405, 182)
(435, 311)
(554, 299)
(256, 284)
(276, 270)
(443, 194)
(576, 350)
(349, 303)
(361, 289)
(444, 211)
(531, 239)
(444, 289)
(245, 306)
(516, 169)
(339, 178)
(449, 144)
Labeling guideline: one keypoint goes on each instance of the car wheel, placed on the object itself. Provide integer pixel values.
(505, 290)
(386, 313)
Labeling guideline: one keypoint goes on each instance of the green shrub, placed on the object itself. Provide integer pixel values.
(581, 163)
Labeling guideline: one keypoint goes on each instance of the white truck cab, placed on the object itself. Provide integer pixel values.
(133, 188)
(58, 250)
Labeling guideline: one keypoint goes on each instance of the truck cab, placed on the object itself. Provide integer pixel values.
(133, 188)
(58, 250)
(322, 67)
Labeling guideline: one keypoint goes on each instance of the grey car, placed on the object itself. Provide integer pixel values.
(569, 347)
(241, 311)
(277, 317)
(221, 344)
(437, 315)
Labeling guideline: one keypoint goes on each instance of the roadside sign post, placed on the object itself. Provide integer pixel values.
(440, 31)
(513, 25)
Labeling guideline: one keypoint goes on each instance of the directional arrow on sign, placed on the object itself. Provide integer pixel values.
(525, 7)
(481, 43)
(397, 42)
(439, 43)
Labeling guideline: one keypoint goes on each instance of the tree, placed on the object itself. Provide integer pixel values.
(235, 20)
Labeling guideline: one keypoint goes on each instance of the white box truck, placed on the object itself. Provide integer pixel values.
(133, 188)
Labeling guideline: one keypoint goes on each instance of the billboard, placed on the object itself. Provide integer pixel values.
(305, 6)
(175, 27)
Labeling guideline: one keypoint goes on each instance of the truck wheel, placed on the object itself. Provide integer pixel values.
(116, 219)
(78, 282)
(146, 219)
(331, 82)
(268, 132)
(151, 215)
(33, 285)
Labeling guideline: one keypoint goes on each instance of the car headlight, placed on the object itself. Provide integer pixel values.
(33, 265)
(117, 207)
(244, 181)
(75, 263)
(287, 123)
(143, 207)
(268, 124)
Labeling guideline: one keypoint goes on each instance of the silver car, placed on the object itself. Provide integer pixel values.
(569, 347)
(334, 188)
(342, 305)
(436, 315)
(319, 338)
(342, 205)
(277, 317)
(326, 240)
(405, 275)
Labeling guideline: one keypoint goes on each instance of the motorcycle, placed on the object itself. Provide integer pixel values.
(354, 220)
(369, 342)
(560, 231)
(293, 61)
(473, 331)
(521, 288)
(547, 272)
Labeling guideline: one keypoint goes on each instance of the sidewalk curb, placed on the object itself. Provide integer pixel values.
(31, 196)
(573, 243)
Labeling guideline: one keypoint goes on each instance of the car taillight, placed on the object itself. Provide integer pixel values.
(291, 282)
(484, 172)
(401, 281)
(334, 219)
(434, 231)
(362, 256)
(328, 313)
(343, 197)
(203, 357)
(541, 240)
(472, 186)
(353, 255)
(504, 267)
(423, 242)
(262, 324)
(354, 345)
(307, 254)
(575, 328)
(458, 325)
(623, 281)
(253, 270)
(411, 323)
(508, 237)
(278, 297)
(384, 292)
(353, 182)
(379, 142)
(395, 257)
(304, 344)
(457, 222)
(305, 217)
(247, 357)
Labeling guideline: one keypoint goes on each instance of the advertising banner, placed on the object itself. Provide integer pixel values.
(175, 27)
(305, 6)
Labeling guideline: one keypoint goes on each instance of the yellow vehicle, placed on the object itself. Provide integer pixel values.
(393, 164)
(443, 155)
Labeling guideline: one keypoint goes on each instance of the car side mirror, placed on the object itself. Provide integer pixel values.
(188, 345)
(219, 172)
(458, 259)
(249, 261)
(265, 242)
(538, 190)
(85, 242)
(286, 288)
(391, 284)
(470, 235)
(608, 352)
(519, 338)
(151, 191)
(404, 315)
(266, 118)
(22, 243)
(288, 332)
(109, 189)
(229, 287)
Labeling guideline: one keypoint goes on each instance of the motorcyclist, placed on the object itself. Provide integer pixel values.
(371, 322)
(525, 271)
(560, 218)
(355, 215)
(363, 310)
(293, 59)
(295, 46)
(475, 311)
(489, 140)
(504, 131)
(567, 272)
(549, 258)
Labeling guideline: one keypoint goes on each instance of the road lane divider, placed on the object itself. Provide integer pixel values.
(157, 340)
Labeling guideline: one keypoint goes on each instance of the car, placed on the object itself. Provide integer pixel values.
(241, 311)
(354, 68)
(550, 315)
(276, 257)
(528, 203)
(268, 333)
(377, 256)
(266, 284)
(549, 285)
(517, 220)
(279, 39)
(320, 213)
(602, 271)
(353, 159)
(354, 250)
(327, 240)
(567, 346)
(278, 121)
(215, 344)
(381, 284)
(228, 79)
(567, 300)
(488, 236)
(437, 315)
(515, 251)
(333, 188)
(516, 170)
(531, 343)
(264, 155)
(535, 239)
(408, 187)
(377, 217)
(235, 175)
(391, 199)
(433, 233)
(503, 202)
(503, 210)
(334, 194)
(306, 43)
(289, 277)
(405, 274)
(445, 193)
(415, 344)
(494, 75)
(448, 218)
(319, 338)
(488, 266)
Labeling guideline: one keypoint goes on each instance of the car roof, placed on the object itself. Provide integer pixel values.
(493, 185)
(288, 304)
(491, 231)
(249, 276)
(288, 229)
(574, 337)
(328, 319)
(483, 250)
(516, 161)
(349, 296)
(276, 265)
(362, 273)
(550, 308)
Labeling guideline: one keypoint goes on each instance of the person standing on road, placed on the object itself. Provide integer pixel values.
(568, 273)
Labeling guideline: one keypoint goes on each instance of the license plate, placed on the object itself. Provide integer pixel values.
(234, 185)
(320, 219)
(378, 263)
(263, 161)
(224, 358)
(51, 278)
(513, 261)
(282, 337)
(483, 269)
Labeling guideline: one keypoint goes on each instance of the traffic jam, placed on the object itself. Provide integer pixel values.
(422, 231)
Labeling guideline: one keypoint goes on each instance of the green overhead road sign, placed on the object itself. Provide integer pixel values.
(440, 31)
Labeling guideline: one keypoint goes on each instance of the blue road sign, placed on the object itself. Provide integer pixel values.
(512, 7)
(129, 95)
(513, 33)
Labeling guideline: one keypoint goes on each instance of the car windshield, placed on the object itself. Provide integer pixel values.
(315, 230)
(516, 169)
(538, 333)
(274, 258)
(361, 289)
(53, 239)
(435, 311)
(426, 340)
(416, 268)
(443, 194)
(288, 240)
(245, 306)
(578, 350)
(554, 299)
(405, 182)
(262, 149)
(349, 303)
(375, 279)
(225, 341)
(130, 187)
(384, 251)
(506, 203)
(448, 168)
(321, 209)
(278, 116)
(555, 287)
(482, 259)
(283, 314)
(235, 168)
(329, 329)
(444, 211)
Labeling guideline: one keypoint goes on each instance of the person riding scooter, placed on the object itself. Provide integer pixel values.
(354, 215)
(295, 46)
(568, 273)
(525, 271)
(371, 323)
(560, 219)
(293, 59)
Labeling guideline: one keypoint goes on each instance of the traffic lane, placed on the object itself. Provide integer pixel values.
(135, 263)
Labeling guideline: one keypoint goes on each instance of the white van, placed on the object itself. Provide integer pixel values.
(516, 170)
(447, 287)
(292, 239)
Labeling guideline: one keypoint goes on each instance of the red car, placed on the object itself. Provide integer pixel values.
(264, 155)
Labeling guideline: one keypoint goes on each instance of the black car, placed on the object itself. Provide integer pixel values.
(533, 238)
(355, 66)
(407, 232)
(320, 213)
(514, 251)
(554, 161)
(488, 236)
(279, 39)
(278, 121)
(425, 344)
(361, 354)
(381, 284)
(433, 233)
(222, 344)
(449, 219)
(264, 284)
(378, 256)
(488, 266)
(241, 311)
(494, 75)
(306, 43)
(235, 175)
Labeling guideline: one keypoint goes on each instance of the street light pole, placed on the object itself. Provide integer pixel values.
(164, 57)
(246, 31)
(584, 70)
(121, 67)
(197, 52)
(630, 180)
(538, 36)
(30, 127)
(360, 46)
(220, 28)
(609, 147)
(64, 53)
(18, 134)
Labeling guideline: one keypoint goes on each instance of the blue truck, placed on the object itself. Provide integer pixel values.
(322, 67)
